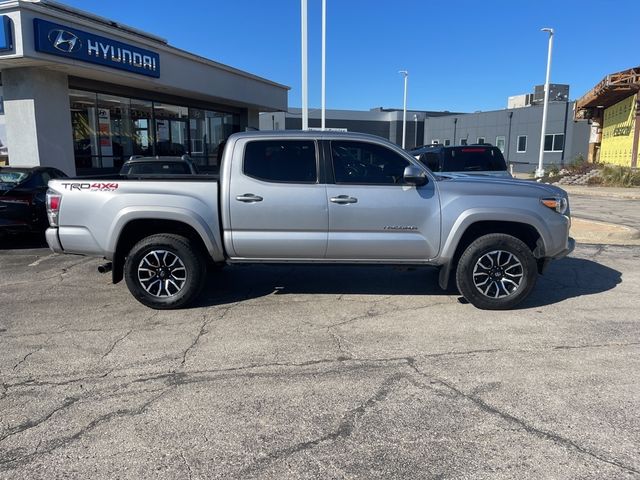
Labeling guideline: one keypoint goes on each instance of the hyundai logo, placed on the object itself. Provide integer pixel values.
(64, 41)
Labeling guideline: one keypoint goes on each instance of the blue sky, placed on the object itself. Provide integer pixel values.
(461, 55)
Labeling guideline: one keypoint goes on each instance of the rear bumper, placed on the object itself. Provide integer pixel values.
(53, 240)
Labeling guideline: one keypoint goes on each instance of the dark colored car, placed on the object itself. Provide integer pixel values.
(482, 159)
(159, 166)
(22, 198)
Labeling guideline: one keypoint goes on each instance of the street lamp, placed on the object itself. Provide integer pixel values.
(545, 106)
(303, 41)
(324, 64)
(405, 74)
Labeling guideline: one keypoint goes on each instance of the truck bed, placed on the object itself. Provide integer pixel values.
(95, 209)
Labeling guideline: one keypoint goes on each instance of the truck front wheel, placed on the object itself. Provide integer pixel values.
(164, 271)
(496, 272)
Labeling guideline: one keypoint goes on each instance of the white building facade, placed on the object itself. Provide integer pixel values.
(83, 93)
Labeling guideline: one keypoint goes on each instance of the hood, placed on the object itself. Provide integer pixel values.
(499, 185)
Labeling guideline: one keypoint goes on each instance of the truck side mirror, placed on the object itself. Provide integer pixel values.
(414, 176)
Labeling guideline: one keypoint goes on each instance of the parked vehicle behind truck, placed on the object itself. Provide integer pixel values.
(313, 197)
(481, 159)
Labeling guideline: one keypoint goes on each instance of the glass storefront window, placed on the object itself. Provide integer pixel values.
(209, 131)
(141, 131)
(84, 124)
(171, 130)
(115, 130)
(108, 129)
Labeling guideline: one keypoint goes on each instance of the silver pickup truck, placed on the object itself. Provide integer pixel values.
(312, 197)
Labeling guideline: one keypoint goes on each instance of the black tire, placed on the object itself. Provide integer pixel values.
(486, 272)
(180, 282)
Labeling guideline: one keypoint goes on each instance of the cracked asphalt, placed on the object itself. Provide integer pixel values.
(323, 372)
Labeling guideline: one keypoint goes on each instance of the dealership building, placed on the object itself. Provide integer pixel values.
(83, 93)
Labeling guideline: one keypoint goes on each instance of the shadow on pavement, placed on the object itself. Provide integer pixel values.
(572, 277)
(564, 279)
(242, 282)
(20, 241)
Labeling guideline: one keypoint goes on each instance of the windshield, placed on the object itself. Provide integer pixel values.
(155, 168)
(9, 179)
(12, 177)
(473, 159)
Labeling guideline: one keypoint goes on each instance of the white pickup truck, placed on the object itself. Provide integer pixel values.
(312, 197)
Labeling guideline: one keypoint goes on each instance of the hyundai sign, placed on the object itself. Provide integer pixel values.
(86, 47)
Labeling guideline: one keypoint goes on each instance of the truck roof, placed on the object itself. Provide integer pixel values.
(306, 134)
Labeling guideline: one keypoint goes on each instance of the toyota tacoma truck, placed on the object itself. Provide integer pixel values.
(310, 198)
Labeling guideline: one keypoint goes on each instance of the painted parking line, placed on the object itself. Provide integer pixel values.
(37, 262)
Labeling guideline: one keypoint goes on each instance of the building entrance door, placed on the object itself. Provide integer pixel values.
(172, 130)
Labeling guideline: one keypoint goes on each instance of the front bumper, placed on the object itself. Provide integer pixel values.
(543, 263)
(571, 245)
(53, 240)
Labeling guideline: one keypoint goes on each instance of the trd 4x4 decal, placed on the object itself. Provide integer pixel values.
(92, 187)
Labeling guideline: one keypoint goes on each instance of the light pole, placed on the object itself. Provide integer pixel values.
(405, 74)
(545, 106)
(303, 34)
(324, 63)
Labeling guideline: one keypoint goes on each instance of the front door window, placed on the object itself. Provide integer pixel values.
(366, 163)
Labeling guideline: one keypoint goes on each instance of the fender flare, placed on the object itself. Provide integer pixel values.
(188, 217)
(475, 215)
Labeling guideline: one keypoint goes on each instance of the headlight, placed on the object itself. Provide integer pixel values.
(559, 204)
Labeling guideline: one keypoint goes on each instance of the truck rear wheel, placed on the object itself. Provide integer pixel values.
(164, 271)
(496, 272)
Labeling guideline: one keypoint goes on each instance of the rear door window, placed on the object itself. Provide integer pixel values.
(473, 159)
(288, 161)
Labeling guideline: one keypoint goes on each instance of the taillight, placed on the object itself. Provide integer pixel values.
(53, 207)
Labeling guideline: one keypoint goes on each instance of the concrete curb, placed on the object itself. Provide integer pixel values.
(592, 231)
(632, 193)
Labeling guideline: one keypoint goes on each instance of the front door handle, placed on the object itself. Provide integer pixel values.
(249, 198)
(343, 199)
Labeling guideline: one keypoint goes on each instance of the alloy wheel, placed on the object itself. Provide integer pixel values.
(162, 273)
(498, 274)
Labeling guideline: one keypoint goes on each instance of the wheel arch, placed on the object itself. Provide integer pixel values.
(522, 230)
(138, 228)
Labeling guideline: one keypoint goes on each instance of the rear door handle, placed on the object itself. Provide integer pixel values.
(343, 199)
(249, 198)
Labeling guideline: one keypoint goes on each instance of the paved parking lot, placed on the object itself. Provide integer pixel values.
(325, 372)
